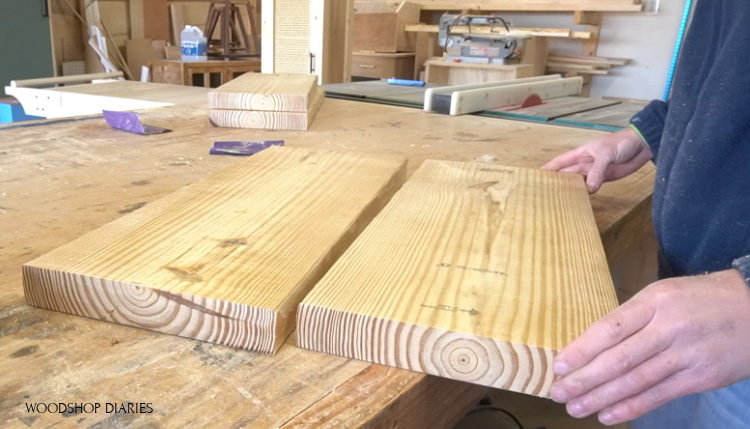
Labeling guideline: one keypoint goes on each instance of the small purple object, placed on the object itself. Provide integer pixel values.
(243, 148)
(128, 121)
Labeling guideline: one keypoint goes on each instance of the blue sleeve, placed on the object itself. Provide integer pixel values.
(649, 123)
(743, 266)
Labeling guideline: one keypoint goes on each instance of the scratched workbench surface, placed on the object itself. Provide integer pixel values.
(59, 180)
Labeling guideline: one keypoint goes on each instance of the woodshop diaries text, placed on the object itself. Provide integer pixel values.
(89, 407)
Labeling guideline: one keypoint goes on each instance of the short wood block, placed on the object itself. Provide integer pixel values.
(474, 272)
(260, 119)
(267, 92)
(225, 260)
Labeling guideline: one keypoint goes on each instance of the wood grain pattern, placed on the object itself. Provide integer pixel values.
(264, 120)
(479, 273)
(285, 92)
(227, 259)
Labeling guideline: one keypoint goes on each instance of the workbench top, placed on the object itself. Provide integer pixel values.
(61, 179)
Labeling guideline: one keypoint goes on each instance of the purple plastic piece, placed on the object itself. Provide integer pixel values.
(128, 121)
(243, 148)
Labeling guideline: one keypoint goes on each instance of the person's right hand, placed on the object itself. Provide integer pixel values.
(605, 158)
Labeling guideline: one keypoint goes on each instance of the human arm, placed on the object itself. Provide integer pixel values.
(676, 337)
(606, 158)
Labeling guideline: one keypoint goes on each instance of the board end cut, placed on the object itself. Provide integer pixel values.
(284, 92)
(479, 273)
(267, 120)
(227, 259)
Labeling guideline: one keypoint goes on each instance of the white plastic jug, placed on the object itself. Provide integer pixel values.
(193, 44)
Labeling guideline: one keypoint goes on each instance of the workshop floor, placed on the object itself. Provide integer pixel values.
(535, 412)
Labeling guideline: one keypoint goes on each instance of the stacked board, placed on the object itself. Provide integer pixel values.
(266, 101)
(475, 272)
(225, 260)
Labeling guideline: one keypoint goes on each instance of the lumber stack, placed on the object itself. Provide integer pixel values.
(582, 64)
(225, 260)
(266, 101)
(474, 272)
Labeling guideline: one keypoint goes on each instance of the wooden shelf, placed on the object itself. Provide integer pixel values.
(536, 5)
(515, 31)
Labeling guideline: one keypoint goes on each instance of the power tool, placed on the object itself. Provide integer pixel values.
(479, 39)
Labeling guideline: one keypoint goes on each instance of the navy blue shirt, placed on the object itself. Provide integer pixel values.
(700, 139)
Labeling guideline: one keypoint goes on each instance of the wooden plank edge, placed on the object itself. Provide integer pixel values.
(431, 92)
(478, 360)
(589, 60)
(476, 100)
(563, 69)
(486, 29)
(582, 66)
(264, 102)
(188, 316)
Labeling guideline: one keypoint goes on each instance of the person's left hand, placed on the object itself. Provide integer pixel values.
(676, 337)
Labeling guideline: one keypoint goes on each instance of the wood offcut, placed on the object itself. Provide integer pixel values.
(269, 92)
(266, 101)
(267, 119)
(474, 272)
(227, 259)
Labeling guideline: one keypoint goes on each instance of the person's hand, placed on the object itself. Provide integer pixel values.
(610, 157)
(676, 337)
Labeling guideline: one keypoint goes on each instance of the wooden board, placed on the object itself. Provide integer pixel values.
(285, 92)
(335, 62)
(514, 31)
(431, 92)
(586, 59)
(225, 260)
(267, 120)
(476, 100)
(474, 272)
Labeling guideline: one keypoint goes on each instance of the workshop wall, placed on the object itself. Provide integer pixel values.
(648, 40)
(25, 50)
